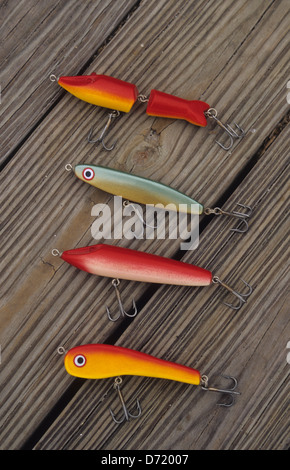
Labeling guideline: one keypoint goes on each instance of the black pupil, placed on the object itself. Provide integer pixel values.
(80, 360)
(88, 173)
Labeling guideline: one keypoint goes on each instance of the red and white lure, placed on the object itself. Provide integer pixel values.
(120, 96)
(124, 263)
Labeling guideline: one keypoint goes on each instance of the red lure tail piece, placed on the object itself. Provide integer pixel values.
(164, 105)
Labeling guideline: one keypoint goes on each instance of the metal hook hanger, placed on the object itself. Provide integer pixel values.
(122, 312)
(126, 414)
(243, 216)
(229, 391)
(212, 114)
(111, 115)
(240, 296)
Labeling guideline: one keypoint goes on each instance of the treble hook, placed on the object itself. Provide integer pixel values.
(123, 313)
(240, 296)
(101, 138)
(230, 391)
(239, 215)
(127, 414)
(212, 114)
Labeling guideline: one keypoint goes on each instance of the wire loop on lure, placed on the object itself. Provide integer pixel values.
(240, 296)
(230, 391)
(142, 98)
(61, 350)
(111, 116)
(243, 216)
(55, 252)
(126, 414)
(212, 114)
(122, 312)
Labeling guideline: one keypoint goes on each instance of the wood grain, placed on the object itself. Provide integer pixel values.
(236, 58)
(198, 330)
(43, 39)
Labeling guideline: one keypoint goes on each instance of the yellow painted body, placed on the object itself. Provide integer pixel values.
(99, 361)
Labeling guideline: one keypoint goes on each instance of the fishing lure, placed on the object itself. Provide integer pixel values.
(120, 96)
(100, 361)
(146, 191)
(124, 263)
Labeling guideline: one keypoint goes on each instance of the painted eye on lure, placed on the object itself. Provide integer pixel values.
(88, 174)
(79, 360)
(120, 96)
(102, 361)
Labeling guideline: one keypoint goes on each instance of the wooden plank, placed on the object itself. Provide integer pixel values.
(193, 327)
(41, 38)
(45, 208)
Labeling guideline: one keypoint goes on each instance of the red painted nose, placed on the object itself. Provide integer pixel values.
(81, 80)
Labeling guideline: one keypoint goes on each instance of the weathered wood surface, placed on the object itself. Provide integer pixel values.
(38, 38)
(235, 56)
(193, 327)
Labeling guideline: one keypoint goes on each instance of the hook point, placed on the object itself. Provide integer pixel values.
(229, 391)
(212, 114)
(126, 413)
(240, 296)
(111, 115)
(122, 311)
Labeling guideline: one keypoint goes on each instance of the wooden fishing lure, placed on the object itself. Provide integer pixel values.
(136, 188)
(145, 191)
(101, 361)
(120, 96)
(124, 263)
(112, 93)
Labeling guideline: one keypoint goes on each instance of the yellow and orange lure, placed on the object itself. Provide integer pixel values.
(100, 361)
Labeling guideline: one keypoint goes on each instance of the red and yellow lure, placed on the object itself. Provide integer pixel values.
(100, 361)
(120, 96)
(124, 263)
